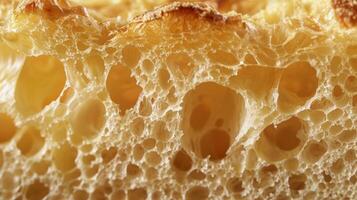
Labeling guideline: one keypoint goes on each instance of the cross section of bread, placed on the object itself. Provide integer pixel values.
(180, 102)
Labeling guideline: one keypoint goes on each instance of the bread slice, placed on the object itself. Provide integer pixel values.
(182, 102)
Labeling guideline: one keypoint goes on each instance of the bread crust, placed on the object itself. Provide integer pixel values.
(51, 9)
(346, 12)
(54, 10)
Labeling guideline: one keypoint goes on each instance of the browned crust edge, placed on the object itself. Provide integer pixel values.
(201, 9)
(346, 12)
(55, 9)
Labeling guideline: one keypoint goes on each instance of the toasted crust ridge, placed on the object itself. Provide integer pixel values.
(204, 10)
(52, 9)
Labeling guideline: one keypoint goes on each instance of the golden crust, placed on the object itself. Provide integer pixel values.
(203, 10)
(346, 12)
(54, 10)
(127, 9)
(50, 8)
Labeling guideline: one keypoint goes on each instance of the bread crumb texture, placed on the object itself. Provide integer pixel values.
(181, 102)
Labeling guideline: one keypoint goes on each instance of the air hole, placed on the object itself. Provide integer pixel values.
(250, 59)
(98, 194)
(122, 87)
(350, 156)
(80, 195)
(109, 154)
(351, 84)
(59, 132)
(37, 191)
(182, 161)
(257, 80)
(317, 116)
(7, 128)
(235, 185)
(347, 136)
(149, 143)
(123, 154)
(64, 157)
(164, 78)
(180, 63)
(291, 164)
(335, 129)
(223, 57)
(203, 106)
(118, 195)
(137, 126)
(133, 170)
(314, 151)
(153, 158)
(197, 193)
(137, 194)
(285, 134)
(337, 92)
(269, 169)
(278, 142)
(266, 56)
(72, 175)
(8, 181)
(327, 178)
(138, 152)
(297, 182)
(147, 66)
(88, 159)
(131, 55)
(321, 104)
(199, 116)
(30, 142)
(338, 166)
(91, 171)
(151, 173)
(219, 123)
(197, 175)
(215, 144)
(285, 138)
(88, 119)
(156, 195)
(298, 84)
(41, 167)
(40, 82)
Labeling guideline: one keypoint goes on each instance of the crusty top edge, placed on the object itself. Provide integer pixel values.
(53, 9)
(201, 9)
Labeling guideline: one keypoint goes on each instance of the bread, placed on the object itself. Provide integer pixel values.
(125, 10)
(182, 102)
